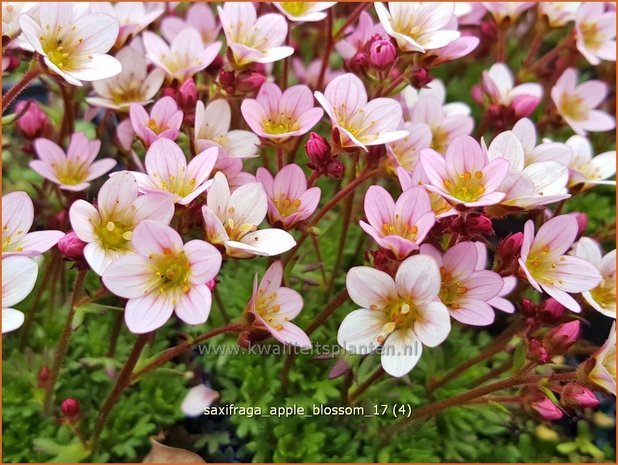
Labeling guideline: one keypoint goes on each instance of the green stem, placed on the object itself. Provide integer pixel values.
(20, 86)
(63, 342)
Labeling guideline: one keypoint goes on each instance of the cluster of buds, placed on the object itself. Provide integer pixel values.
(243, 83)
(321, 159)
(507, 254)
(469, 226)
(557, 341)
(377, 55)
(185, 97)
(573, 396)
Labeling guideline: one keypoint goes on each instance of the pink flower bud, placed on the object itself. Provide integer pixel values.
(249, 82)
(187, 94)
(43, 376)
(478, 224)
(507, 254)
(576, 395)
(536, 352)
(317, 148)
(211, 284)
(528, 307)
(551, 311)
(382, 53)
(71, 246)
(34, 122)
(582, 223)
(560, 339)
(335, 168)
(227, 79)
(70, 408)
(545, 409)
(420, 78)
(359, 63)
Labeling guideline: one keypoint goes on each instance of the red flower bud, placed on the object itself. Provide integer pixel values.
(318, 149)
(582, 222)
(187, 95)
(528, 307)
(536, 352)
(478, 224)
(577, 395)
(551, 311)
(249, 82)
(227, 79)
(71, 246)
(335, 169)
(33, 122)
(382, 53)
(70, 408)
(560, 339)
(420, 78)
(507, 254)
(43, 376)
(211, 284)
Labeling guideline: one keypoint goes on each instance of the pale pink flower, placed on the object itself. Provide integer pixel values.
(401, 315)
(398, 226)
(405, 152)
(133, 85)
(108, 227)
(436, 89)
(465, 290)
(539, 183)
(603, 373)
(304, 11)
(360, 123)
(525, 130)
(232, 219)
(131, 16)
(502, 11)
(10, 17)
(465, 175)
(577, 103)
(364, 31)
(595, 30)
(277, 116)
(458, 48)
(417, 26)
(71, 171)
(289, 200)
(17, 219)
(18, 280)
(589, 170)
(500, 87)
(603, 297)
(546, 267)
(197, 399)
(274, 306)
(310, 75)
(559, 13)
(232, 167)
(186, 55)
(72, 47)
(163, 122)
(167, 172)
(416, 178)
(212, 129)
(252, 39)
(199, 16)
(508, 282)
(163, 276)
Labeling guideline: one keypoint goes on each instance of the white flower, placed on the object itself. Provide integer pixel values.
(18, 279)
(603, 297)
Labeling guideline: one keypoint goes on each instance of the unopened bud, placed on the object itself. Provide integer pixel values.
(551, 311)
(582, 223)
(478, 224)
(33, 122)
(528, 307)
(227, 79)
(43, 376)
(507, 254)
(543, 408)
(560, 339)
(577, 395)
(382, 53)
(318, 149)
(71, 246)
(537, 352)
(420, 78)
(249, 82)
(70, 408)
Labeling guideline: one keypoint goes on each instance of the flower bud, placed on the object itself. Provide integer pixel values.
(551, 311)
(537, 352)
(507, 254)
(359, 63)
(478, 224)
(318, 149)
(211, 284)
(249, 82)
(187, 94)
(70, 408)
(382, 53)
(543, 408)
(339, 368)
(335, 168)
(420, 78)
(528, 307)
(560, 339)
(576, 395)
(33, 122)
(71, 246)
(227, 79)
(582, 223)
(43, 376)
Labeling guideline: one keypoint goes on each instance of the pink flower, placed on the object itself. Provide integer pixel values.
(199, 16)
(547, 268)
(439, 205)
(465, 290)
(185, 56)
(18, 280)
(405, 152)
(163, 276)
(465, 175)
(364, 31)
(132, 17)
(11, 11)
(232, 220)
(401, 315)
(17, 218)
(289, 200)
(502, 11)
(274, 306)
(108, 227)
(603, 372)
(458, 48)
(589, 170)
(576, 103)
(603, 297)
(508, 282)
(212, 129)
(311, 74)
(418, 27)
(527, 187)
(73, 47)
(252, 39)
(133, 85)
(398, 226)
(500, 87)
(278, 116)
(71, 171)
(559, 13)
(525, 130)
(595, 30)
(167, 172)
(304, 11)
(360, 123)
(163, 121)
(197, 399)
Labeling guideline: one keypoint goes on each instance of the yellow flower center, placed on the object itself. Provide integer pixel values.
(234, 229)
(172, 270)
(400, 228)
(176, 184)
(269, 312)
(605, 293)
(70, 173)
(573, 106)
(451, 291)
(6, 240)
(285, 206)
(590, 33)
(280, 125)
(540, 264)
(468, 187)
(128, 94)
(59, 46)
(296, 8)
(114, 235)
(439, 140)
